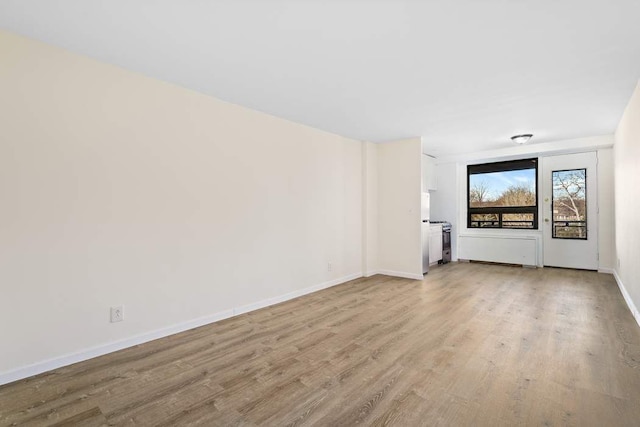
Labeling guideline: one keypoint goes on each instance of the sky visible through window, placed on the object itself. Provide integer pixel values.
(498, 182)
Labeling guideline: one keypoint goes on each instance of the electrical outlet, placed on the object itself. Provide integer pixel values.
(329, 266)
(117, 314)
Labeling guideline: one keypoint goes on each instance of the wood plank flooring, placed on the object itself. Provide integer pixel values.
(472, 344)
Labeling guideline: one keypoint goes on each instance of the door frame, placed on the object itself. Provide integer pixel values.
(551, 247)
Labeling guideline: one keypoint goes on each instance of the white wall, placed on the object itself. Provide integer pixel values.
(399, 195)
(120, 189)
(444, 206)
(451, 204)
(627, 202)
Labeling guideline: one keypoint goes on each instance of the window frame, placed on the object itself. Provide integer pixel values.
(504, 166)
(553, 218)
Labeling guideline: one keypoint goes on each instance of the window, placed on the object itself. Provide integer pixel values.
(503, 195)
(569, 206)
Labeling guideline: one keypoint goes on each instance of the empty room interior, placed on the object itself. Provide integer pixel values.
(387, 212)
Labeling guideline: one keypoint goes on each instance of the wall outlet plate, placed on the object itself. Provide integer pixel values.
(117, 314)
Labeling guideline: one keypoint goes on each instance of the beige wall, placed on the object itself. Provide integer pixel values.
(399, 191)
(120, 189)
(627, 201)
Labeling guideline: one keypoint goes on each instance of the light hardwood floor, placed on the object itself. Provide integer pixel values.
(472, 344)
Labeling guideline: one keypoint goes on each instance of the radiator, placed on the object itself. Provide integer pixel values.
(506, 249)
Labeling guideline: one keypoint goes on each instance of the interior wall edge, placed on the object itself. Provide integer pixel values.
(627, 298)
(401, 274)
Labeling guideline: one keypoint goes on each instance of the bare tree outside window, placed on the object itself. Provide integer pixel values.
(569, 204)
(479, 193)
(518, 195)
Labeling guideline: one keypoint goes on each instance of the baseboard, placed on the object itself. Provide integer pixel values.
(295, 294)
(401, 274)
(627, 298)
(606, 270)
(100, 350)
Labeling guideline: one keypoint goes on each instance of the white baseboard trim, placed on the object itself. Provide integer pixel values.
(401, 274)
(627, 298)
(295, 294)
(100, 350)
(606, 270)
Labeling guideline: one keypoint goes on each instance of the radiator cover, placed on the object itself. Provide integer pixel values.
(505, 249)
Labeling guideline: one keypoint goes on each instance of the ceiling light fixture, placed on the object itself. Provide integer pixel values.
(521, 139)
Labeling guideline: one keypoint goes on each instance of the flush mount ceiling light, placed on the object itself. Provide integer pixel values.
(521, 139)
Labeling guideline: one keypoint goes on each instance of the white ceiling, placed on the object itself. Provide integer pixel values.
(464, 74)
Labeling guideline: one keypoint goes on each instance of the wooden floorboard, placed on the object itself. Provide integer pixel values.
(471, 344)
